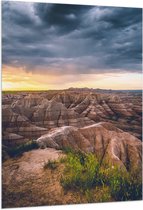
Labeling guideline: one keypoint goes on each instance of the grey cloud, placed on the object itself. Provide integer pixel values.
(66, 38)
(64, 17)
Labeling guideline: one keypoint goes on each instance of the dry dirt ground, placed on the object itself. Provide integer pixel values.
(27, 183)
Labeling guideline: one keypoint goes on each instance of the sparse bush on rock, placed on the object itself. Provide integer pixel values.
(81, 171)
(84, 172)
(51, 164)
(125, 186)
(16, 151)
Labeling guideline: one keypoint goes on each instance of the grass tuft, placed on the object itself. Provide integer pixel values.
(83, 172)
(125, 186)
(51, 164)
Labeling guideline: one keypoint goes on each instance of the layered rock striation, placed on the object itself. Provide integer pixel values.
(103, 139)
(30, 115)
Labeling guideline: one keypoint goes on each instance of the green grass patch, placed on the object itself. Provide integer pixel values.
(83, 172)
(125, 186)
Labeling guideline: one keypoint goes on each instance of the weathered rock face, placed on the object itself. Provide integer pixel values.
(108, 125)
(25, 183)
(49, 114)
(30, 115)
(103, 139)
(13, 139)
(17, 128)
(31, 162)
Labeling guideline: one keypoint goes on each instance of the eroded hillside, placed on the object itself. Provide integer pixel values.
(29, 115)
(108, 125)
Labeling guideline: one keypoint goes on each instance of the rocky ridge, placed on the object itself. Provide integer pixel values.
(106, 124)
(103, 139)
(33, 114)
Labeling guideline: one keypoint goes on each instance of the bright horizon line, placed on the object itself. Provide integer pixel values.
(64, 89)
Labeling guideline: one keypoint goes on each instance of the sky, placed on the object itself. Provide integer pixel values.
(57, 46)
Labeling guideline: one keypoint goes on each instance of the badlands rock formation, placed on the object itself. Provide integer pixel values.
(103, 139)
(75, 118)
(32, 113)
(108, 124)
(18, 127)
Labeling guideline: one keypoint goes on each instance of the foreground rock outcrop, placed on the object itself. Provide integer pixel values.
(105, 140)
(26, 183)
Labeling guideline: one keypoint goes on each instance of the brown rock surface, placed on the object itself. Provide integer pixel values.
(51, 109)
(29, 162)
(28, 116)
(103, 139)
(107, 123)
(13, 139)
(17, 124)
(26, 183)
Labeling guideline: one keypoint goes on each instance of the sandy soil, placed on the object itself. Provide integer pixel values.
(27, 183)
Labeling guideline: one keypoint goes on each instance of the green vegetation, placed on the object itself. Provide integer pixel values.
(83, 172)
(51, 164)
(19, 150)
(68, 150)
(126, 186)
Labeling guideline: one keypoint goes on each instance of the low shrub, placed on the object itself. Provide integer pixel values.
(89, 196)
(125, 186)
(84, 172)
(51, 164)
(68, 150)
(19, 150)
(81, 171)
(103, 194)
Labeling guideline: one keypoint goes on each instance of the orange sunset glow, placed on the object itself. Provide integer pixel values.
(80, 46)
(22, 80)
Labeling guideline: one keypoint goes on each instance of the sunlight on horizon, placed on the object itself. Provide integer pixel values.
(22, 80)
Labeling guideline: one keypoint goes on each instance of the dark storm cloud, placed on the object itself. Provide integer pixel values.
(64, 38)
(64, 17)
